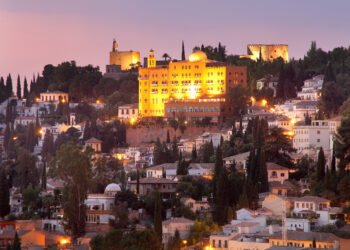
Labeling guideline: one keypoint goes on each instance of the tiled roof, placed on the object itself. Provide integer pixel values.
(311, 198)
(164, 166)
(238, 157)
(151, 180)
(307, 236)
(247, 224)
(93, 140)
(177, 220)
(274, 166)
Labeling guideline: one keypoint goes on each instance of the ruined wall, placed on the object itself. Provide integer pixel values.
(269, 52)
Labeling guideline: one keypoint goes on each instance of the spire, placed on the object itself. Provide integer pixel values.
(183, 58)
(115, 45)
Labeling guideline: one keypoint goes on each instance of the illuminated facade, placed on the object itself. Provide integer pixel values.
(269, 52)
(196, 87)
(125, 59)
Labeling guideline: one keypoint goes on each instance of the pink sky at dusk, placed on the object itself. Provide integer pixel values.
(37, 32)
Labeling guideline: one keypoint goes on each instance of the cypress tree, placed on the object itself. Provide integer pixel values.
(211, 148)
(19, 89)
(175, 150)
(158, 153)
(221, 203)
(16, 243)
(87, 132)
(194, 154)
(321, 165)
(158, 216)
(329, 75)
(137, 182)
(333, 163)
(217, 172)
(43, 177)
(9, 90)
(183, 57)
(30, 138)
(167, 136)
(4, 194)
(25, 89)
(264, 183)
(243, 199)
(281, 84)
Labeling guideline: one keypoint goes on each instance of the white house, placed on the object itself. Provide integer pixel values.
(128, 112)
(99, 206)
(239, 159)
(315, 136)
(276, 172)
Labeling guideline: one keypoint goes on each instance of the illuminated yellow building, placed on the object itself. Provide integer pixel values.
(195, 80)
(269, 52)
(125, 59)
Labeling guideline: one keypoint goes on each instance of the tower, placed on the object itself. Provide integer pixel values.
(151, 60)
(115, 46)
(183, 57)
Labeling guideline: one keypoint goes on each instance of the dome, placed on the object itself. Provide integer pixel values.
(112, 188)
(197, 56)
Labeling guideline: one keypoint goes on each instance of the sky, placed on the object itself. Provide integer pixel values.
(34, 33)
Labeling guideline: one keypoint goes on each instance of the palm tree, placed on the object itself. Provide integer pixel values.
(165, 56)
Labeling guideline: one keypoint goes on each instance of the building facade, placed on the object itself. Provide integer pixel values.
(128, 112)
(196, 87)
(53, 96)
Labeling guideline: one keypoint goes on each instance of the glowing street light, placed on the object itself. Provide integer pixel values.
(15, 138)
(263, 102)
(40, 131)
(132, 121)
(184, 242)
(253, 100)
(63, 241)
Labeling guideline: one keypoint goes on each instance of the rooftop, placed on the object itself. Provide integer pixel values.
(307, 236)
(152, 180)
(311, 198)
(274, 166)
(177, 220)
(277, 184)
(93, 140)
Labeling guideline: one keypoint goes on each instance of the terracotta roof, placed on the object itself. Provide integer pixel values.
(128, 106)
(177, 220)
(201, 165)
(164, 166)
(151, 180)
(238, 157)
(307, 236)
(274, 166)
(311, 198)
(93, 140)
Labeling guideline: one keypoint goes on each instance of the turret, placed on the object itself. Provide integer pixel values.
(151, 60)
(115, 45)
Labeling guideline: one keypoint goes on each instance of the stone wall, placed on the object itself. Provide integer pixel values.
(136, 136)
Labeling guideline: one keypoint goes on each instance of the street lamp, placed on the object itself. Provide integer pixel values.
(184, 242)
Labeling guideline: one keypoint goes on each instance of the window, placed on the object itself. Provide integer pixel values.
(318, 140)
(213, 244)
(282, 174)
(318, 132)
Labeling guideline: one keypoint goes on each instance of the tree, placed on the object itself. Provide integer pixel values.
(4, 194)
(9, 90)
(158, 216)
(238, 98)
(167, 137)
(321, 166)
(26, 170)
(165, 56)
(183, 57)
(138, 182)
(48, 148)
(31, 197)
(174, 150)
(43, 177)
(19, 89)
(73, 167)
(194, 154)
(25, 89)
(16, 243)
(158, 153)
(31, 138)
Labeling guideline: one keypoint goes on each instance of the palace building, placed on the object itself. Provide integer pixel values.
(196, 87)
(267, 52)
